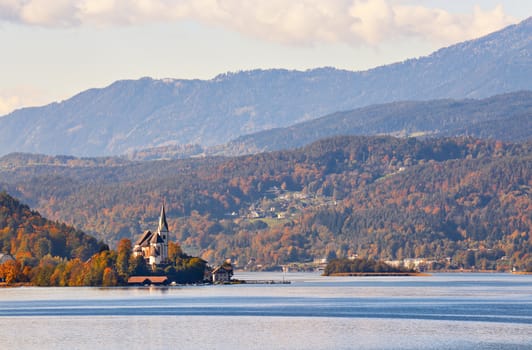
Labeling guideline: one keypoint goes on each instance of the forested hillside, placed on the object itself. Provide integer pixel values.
(35, 246)
(26, 235)
(460, 198)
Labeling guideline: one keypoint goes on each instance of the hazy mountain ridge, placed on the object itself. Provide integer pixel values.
(503, 117)
(143, 113)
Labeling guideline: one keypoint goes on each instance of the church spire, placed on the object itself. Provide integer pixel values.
(163, 225)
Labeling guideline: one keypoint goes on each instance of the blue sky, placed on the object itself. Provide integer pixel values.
(53, 49)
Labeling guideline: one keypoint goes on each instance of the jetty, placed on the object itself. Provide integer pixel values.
(260, 282)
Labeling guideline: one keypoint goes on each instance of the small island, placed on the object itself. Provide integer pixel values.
(364, 267)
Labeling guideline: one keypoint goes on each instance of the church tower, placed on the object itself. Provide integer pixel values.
(163, 232)
(153, 246)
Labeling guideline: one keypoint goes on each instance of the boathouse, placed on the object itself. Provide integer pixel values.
(147, 280)
(222, 273)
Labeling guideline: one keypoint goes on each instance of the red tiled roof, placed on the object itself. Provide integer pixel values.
(147, 280)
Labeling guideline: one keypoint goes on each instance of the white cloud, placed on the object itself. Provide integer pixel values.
(441, 26)
(20, 97)
(8, 103)
(301, 22)
(374, 21)
(62, 13)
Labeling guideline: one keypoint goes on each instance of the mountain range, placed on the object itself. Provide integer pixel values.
(136, 114)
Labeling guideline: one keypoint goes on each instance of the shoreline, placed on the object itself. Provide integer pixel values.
(378, 274)
(340, 274)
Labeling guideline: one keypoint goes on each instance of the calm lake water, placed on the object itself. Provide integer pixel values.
(443, 311)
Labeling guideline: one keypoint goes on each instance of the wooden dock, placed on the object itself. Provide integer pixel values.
(260, 282)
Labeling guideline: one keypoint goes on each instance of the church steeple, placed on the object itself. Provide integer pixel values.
(163, 232)
(163, 225)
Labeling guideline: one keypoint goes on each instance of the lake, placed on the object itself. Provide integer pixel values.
(442, 311)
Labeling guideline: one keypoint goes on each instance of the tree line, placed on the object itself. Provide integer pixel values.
(360, 265)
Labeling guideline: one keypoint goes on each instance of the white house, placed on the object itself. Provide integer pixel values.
(222, 273)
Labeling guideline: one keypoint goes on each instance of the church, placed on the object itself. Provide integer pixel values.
(153, 246)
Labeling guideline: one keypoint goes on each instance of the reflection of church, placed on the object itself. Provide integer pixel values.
(153, 246)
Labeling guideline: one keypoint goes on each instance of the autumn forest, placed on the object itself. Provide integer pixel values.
(460, 202)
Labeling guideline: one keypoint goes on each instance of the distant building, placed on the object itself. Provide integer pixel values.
(222, 273)
(153, 246)
(5, 258)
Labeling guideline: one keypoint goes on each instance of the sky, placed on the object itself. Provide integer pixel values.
(51, 50)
